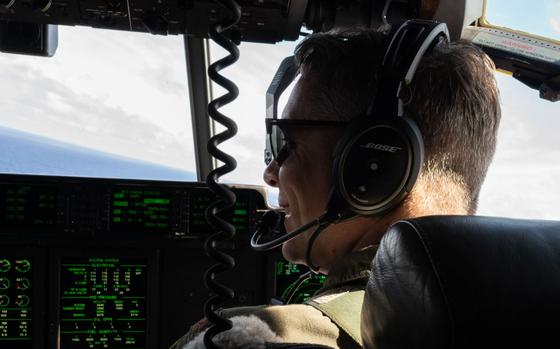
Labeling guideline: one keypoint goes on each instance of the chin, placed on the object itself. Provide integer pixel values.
(292, 252)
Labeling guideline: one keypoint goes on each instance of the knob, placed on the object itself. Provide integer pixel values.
(4, 283)
(5, 265)
(22, 283)
(23, 265)
(4, 300)
(22, 300)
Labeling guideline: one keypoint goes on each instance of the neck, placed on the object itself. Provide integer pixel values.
(430, 196)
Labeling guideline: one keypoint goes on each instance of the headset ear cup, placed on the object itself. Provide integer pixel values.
(376, 164)
(378, 159)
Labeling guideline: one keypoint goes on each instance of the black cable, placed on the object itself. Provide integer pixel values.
(226, 198)
(261, 230)
(300, 280)
(385, 11)
(310, 243)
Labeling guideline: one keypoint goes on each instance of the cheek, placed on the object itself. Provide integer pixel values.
(311, 186)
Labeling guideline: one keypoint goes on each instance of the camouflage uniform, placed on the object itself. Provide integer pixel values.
(305, 323)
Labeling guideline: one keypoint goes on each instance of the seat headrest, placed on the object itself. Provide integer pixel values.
(464, 282)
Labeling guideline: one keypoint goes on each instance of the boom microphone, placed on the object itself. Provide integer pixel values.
(272, 224)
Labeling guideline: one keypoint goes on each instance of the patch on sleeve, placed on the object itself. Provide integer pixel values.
(247, 331)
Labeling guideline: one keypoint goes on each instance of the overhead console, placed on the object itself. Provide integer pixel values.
(157, 17)
(261, 21)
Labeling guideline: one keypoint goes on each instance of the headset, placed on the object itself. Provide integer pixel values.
(379, 156)
(378, 159)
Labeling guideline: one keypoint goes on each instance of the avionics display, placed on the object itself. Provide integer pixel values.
(134, 209)
(287, 275)
(16, 302)
(103, 303)
(240, 215)
(27, 206)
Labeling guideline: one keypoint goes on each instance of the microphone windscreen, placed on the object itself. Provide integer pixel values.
(272, 223)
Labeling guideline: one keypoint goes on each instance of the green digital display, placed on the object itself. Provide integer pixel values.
(16, 302)
(286, 278)
(103, 303)
(239, 216)
(133, 209)
(23, 206)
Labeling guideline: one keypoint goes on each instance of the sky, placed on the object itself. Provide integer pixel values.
(126, 93)
(540, 17)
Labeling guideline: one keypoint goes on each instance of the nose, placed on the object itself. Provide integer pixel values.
(270, 174)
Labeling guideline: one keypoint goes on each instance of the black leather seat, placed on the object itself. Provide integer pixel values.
(465, 282)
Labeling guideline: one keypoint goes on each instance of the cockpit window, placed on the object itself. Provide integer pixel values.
(538, 17)
(115, 104)
(522, 181)
(107, 104)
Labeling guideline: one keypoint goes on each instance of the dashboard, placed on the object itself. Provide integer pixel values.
(98, 263)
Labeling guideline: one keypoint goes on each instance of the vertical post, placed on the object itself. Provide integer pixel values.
(200, 93)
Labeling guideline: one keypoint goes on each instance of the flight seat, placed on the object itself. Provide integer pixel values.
(465, 282)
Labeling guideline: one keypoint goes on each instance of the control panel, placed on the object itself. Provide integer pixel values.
(108, 263)
(16, 301)
(103, 302)
(294, 284)
(92, 208)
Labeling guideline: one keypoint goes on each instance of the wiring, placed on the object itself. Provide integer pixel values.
(385, 12)
(226, 198)
(310, 243)
(297, 284)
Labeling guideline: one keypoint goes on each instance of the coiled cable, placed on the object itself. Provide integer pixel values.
(226, 198)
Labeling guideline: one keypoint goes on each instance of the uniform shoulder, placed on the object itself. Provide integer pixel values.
(295, 323)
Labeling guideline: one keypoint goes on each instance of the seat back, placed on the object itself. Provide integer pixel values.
(464, 282)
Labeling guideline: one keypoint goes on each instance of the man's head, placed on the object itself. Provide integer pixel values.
(453, 99)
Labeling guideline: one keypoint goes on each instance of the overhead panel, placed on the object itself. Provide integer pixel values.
(262, 21)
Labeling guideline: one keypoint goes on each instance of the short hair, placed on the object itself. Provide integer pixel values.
(454, 97)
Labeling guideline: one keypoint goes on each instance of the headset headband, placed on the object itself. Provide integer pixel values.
(408, 45)
(283, 77)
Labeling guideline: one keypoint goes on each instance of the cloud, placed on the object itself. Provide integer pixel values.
(53, 109)
(522, 180)
(128, 96)
(555, 24)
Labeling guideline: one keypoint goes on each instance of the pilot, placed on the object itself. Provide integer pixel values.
(453, 99)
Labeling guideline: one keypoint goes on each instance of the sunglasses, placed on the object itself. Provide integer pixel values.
(276, 141)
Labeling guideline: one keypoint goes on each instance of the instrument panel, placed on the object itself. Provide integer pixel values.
(91, 263)
(110, 263)
(92, 208)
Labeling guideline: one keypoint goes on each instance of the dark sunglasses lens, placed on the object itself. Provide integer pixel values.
(274, 144)
(277, 138)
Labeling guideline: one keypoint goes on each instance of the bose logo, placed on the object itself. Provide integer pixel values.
(382, 147)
